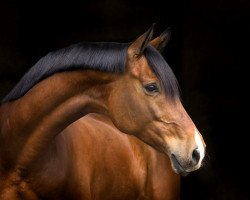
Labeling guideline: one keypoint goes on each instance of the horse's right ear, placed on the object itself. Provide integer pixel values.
(161, 42)
(138, 46)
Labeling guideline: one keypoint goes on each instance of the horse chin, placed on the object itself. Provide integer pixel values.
(178, 169)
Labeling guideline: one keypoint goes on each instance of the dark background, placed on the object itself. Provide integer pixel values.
(208, 52)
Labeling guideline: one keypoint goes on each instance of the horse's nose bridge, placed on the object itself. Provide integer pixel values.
(191, 139)
(186, 124)
(190, 134)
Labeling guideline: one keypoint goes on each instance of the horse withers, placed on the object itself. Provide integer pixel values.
(98, 121)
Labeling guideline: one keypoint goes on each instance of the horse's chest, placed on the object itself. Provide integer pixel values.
(106, 181)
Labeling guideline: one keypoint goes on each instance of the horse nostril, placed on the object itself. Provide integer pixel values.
(195, 156)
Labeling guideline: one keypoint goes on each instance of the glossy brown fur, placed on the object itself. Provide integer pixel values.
(118, 166)
(52, 146)
(127, 169)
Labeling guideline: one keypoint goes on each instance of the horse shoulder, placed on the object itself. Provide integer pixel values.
(104, 162)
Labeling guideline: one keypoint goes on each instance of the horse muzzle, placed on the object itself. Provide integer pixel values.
(185, 166)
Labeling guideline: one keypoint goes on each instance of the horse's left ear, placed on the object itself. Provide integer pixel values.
(138, 46)
(161, 42)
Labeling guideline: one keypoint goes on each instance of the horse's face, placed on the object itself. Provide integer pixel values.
(141, 107)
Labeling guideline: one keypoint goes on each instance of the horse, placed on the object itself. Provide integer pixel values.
(98, 121)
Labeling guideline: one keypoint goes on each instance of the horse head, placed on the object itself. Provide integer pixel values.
(145, 102)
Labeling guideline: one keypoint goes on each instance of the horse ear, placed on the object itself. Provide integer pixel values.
(138, 46)
(161, 41)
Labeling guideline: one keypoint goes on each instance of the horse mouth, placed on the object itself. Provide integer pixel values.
(177, 166)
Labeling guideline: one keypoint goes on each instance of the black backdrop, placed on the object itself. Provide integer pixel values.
(208, 52)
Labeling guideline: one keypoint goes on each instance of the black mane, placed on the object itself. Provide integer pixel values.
(104, 56)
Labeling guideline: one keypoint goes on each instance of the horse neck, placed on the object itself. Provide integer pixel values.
(49, 107)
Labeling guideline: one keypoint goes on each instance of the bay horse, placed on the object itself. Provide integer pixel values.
(98, 121)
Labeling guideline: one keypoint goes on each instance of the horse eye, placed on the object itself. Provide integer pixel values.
(151, 88)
